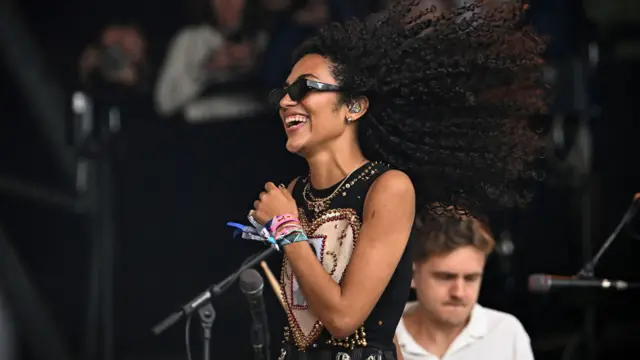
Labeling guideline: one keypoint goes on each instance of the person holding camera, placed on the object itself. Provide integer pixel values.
(116, 64)
(208, 73)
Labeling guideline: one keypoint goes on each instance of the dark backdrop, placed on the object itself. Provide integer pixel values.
(177, 185)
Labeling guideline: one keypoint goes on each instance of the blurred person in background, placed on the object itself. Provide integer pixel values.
(116, 72)
(115, 66)
(292, 21)
(210, 67)
(449, 255)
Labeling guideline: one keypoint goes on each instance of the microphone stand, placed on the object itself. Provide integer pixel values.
(207, 316)
(203, 300)
(588, 269)
(92, 137)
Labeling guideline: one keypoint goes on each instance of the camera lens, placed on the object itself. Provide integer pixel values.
(113, 59)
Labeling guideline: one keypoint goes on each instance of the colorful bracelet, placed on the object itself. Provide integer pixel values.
(280, 220)
(288, 228)
(285, 230)
(292, 237)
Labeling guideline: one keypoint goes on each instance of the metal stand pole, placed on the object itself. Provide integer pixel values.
(577, 165)
(94, 184)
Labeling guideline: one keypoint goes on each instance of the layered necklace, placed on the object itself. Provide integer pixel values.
(318, 205)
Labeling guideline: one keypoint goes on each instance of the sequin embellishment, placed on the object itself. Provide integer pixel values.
(333, 235)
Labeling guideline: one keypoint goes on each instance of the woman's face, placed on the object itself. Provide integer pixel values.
(318, 119)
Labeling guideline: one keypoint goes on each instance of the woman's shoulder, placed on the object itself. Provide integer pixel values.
(393, 179)
(391, 186)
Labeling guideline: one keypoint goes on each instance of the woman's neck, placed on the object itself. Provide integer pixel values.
(329, 167)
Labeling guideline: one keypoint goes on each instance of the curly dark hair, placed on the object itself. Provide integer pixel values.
(450, 97)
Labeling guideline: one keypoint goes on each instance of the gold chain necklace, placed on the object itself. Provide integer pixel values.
(319, 205)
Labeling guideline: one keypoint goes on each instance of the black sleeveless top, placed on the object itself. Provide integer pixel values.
(333, 234)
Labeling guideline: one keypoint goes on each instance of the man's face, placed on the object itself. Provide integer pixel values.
(447, 285)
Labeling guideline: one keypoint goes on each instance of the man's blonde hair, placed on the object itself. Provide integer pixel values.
(445, 232)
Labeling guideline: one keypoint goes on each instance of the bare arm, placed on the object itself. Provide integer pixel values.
(388, 216)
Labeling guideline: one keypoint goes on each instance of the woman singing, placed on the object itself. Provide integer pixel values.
(403, 111)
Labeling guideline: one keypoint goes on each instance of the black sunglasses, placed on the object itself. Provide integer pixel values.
(299, 89)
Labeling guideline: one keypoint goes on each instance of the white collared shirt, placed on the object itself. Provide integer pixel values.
(490, 335)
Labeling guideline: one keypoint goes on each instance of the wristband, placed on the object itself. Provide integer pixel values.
(280, 220)
(287, 228)
(286, 231)
(290, 238)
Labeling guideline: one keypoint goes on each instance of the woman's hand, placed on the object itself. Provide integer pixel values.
(272, 202)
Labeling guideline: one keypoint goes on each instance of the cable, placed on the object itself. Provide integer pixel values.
(188, 322)
(187, 337)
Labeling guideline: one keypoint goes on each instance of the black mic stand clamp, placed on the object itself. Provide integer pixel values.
(202, 302)
(207, 316)
(588, 270)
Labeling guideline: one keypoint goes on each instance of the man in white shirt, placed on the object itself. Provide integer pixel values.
(446, 323)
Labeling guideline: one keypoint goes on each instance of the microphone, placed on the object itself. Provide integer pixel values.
(251, 285)
(215, 290)
(541, 283)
